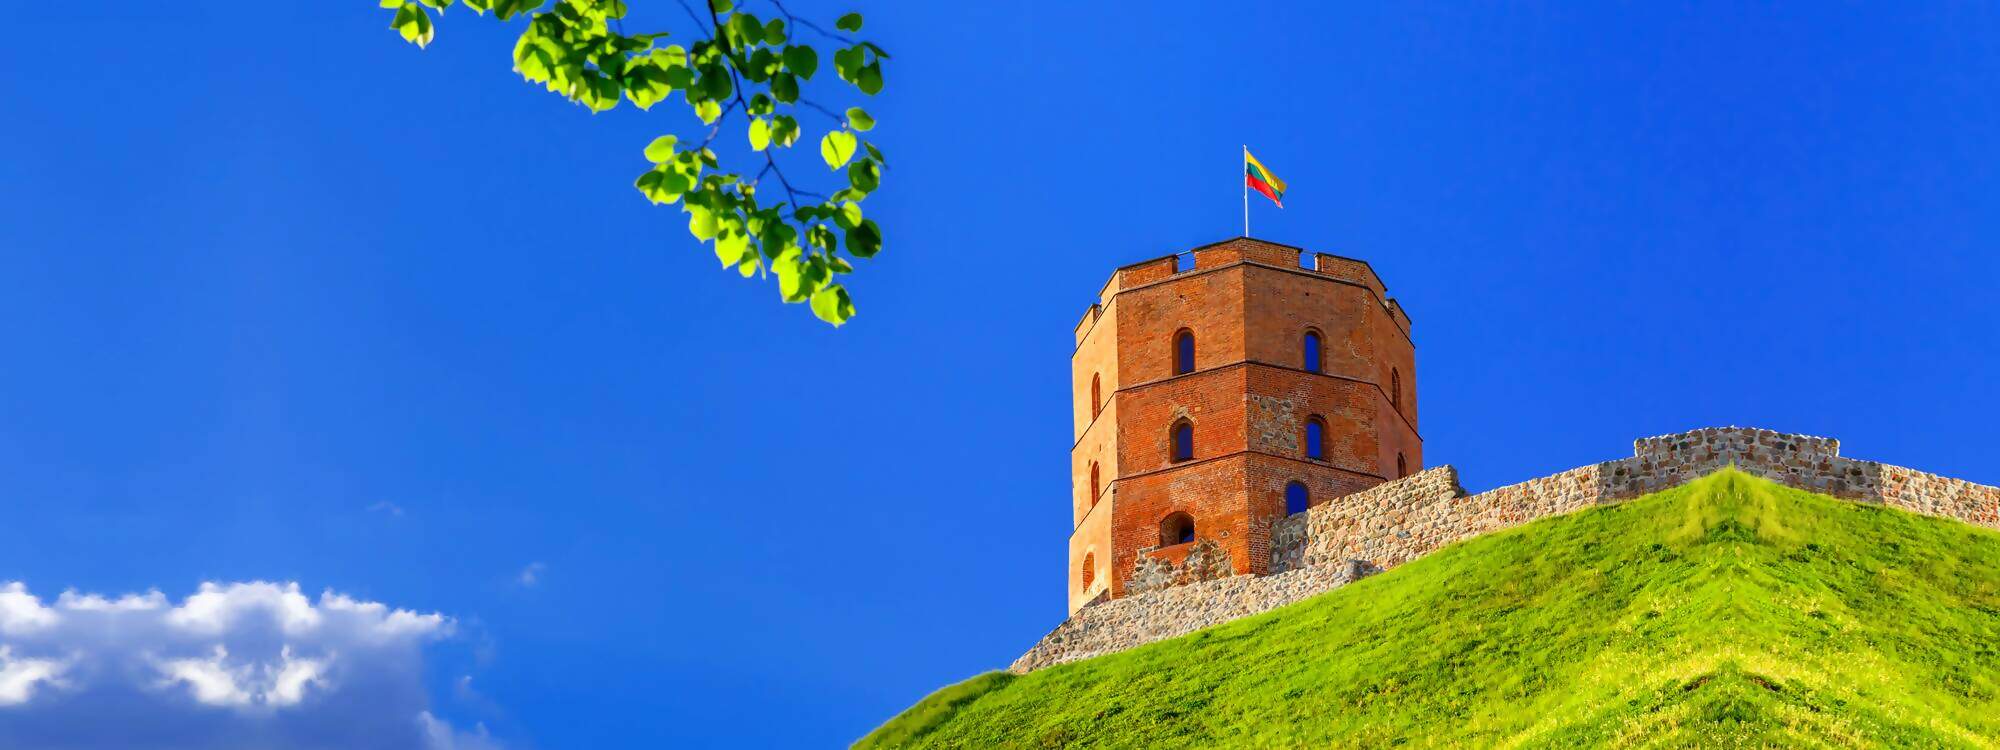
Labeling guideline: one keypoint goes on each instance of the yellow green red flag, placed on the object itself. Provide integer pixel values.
(1261, 179)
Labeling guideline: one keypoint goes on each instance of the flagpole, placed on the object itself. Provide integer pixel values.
(1244, 167)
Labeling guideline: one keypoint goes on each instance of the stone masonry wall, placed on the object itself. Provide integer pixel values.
(1403, 513)
(1395, 522)
(1401, 521)
(1119, 624)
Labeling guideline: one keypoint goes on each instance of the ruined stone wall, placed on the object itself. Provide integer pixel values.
(1399, 521)
(1118, 624)
(1379, 521)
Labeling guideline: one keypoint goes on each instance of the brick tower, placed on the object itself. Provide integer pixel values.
(1203, 395)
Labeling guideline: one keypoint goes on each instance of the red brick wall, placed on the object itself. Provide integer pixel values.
(1248, 304)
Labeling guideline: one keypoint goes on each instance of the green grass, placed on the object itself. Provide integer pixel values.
(1730, 612)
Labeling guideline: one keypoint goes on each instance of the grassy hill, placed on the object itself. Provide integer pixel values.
(1730, 612)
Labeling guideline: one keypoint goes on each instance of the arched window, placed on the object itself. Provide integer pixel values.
(1094, 490)
(1183, 352)
(1312, 355)
(1183, 441)
(1176, 529)
(1315, 438)
(1296, 498)
(1096, 398)
(1089, 570)
(1395, 389)
(1402, 468)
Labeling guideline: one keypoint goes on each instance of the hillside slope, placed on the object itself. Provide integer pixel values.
(1727, 612)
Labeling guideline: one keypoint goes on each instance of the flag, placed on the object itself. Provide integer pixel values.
(1261, 179)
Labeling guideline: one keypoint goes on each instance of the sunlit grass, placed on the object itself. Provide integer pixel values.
(1729, 612)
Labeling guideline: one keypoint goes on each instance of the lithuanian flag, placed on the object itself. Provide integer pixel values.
(1261, 179)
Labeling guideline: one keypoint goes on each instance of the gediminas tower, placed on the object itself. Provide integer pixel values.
(1212, 400)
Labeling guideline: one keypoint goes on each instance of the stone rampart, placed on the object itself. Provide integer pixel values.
(1395, 522)
(1120, 624)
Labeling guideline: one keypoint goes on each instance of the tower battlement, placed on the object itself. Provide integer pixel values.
(1242, 250)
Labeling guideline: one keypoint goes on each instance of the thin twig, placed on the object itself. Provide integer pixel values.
(713, 131)
(795, 21)
(829, 113)
(697, 19)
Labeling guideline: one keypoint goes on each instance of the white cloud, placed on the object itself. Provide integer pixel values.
(233, 664)
(439, 735)
(18, 677)
(127, 603)
(532, 574)
(386, 507)
(21, 612)
(215, 608)
(210, 680)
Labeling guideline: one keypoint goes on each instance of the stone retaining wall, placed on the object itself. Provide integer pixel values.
(1395, 522)
(1120, 624)
(1400, 521)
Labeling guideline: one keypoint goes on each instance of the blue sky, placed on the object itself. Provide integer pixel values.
(286, 299)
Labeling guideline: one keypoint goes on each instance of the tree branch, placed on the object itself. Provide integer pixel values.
(770, 162)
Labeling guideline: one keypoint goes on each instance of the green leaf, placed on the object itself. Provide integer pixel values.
(832, 304)
(849, 22)
(414, 24)
(801, 61)
(680, 77)
(731, 246)
(863, 176)
(661, 187)
(875, 153)
(869, 80)
(847, 62)
(858, 119)
(661, 150)
(798, 276)
(598, 92)
(836, 148)
(708, 110)
(702, 224)
(744, 31)
(774, 32)
(505, 9)
(865, 239)
(821, 237)
(646, 84)
(760, 66)
(715, 82)
(760, 134)
(775, 235)
(784, 130)
(785, 88)
(849, 215)
(670, 56)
